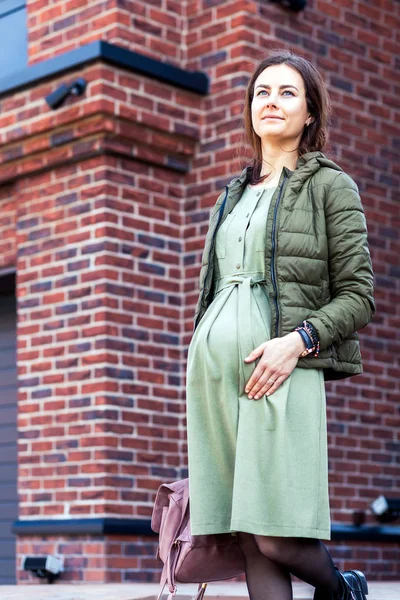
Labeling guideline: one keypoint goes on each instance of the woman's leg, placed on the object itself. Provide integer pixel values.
(307, 558)
(265, 579)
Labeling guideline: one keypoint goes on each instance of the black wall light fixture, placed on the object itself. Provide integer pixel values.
(57, 98)
(45, 567)
(294, 5)
(386, 510)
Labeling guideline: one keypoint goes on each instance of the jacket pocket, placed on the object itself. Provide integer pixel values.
(222, 235)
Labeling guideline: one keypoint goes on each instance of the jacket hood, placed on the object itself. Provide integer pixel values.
(307, 164)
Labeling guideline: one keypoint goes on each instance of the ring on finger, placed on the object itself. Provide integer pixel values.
(258, 394)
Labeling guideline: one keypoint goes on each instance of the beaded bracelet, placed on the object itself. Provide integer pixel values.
(308, 329)
(311, 329)
(314, 336)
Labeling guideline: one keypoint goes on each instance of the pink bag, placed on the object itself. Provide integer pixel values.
(188, 559)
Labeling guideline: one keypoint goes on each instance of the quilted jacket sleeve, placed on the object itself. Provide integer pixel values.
(350, 269)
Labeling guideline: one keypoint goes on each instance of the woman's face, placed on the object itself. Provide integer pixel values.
(279, 91)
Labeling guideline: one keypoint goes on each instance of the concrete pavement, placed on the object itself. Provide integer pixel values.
(379, 590)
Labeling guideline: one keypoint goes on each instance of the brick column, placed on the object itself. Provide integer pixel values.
(97, 201)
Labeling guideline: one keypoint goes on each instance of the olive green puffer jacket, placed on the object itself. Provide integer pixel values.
(317, 256)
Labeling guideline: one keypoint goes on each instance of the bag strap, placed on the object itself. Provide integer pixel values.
(185, 502)
(199, 595)
(163, 582)
(168, 575)
(200, 591)
(168, 572)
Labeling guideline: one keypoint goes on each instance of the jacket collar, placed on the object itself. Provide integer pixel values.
(237, 184)
(307, 164)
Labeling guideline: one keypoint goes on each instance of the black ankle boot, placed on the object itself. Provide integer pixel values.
(356, 586)
(353, 587)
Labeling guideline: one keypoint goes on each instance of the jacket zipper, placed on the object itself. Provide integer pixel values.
(273, 274)
(221, 210)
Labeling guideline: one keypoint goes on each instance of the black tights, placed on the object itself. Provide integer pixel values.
(269, 561)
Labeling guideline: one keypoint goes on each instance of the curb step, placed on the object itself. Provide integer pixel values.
(378, 590)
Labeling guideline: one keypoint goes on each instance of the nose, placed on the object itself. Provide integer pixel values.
(271, 100)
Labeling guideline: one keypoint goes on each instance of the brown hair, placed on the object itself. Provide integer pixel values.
(314, 136)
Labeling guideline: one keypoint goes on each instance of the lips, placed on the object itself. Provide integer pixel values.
(272, 117)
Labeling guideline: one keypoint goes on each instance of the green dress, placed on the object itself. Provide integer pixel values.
(259, 466)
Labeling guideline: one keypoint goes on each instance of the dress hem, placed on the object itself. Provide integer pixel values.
(257, 529)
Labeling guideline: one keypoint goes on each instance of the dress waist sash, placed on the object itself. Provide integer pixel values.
(246, 338)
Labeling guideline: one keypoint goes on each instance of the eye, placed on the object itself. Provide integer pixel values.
(284, 92)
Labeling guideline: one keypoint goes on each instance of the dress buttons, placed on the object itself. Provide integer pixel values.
(247, 215)
(238, 266)
(240, 239)
(258, 193)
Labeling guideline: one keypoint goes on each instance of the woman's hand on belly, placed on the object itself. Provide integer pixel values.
(278, 358)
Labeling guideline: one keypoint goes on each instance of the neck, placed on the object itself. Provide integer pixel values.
(275, 158)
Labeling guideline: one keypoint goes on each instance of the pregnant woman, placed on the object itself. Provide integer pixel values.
(285, 283)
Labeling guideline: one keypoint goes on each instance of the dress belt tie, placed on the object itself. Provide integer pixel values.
(246, 338)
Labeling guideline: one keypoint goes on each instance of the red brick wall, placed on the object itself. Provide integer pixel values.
(146, 26)
(106, 236)
(355, 46)
(97, 249)
(94, 558)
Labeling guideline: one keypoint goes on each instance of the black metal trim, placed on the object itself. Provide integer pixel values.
(7, 283)
(8, 7)
(194, 81)
(294, 5)
(366, 533)
(8, 271)
(108, 525)
(98, 526)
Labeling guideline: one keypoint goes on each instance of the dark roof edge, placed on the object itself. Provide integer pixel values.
(367, 533)
(109, 525)
(96, 526)
(194, 81)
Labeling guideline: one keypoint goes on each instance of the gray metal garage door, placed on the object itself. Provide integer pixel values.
(8, 429)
